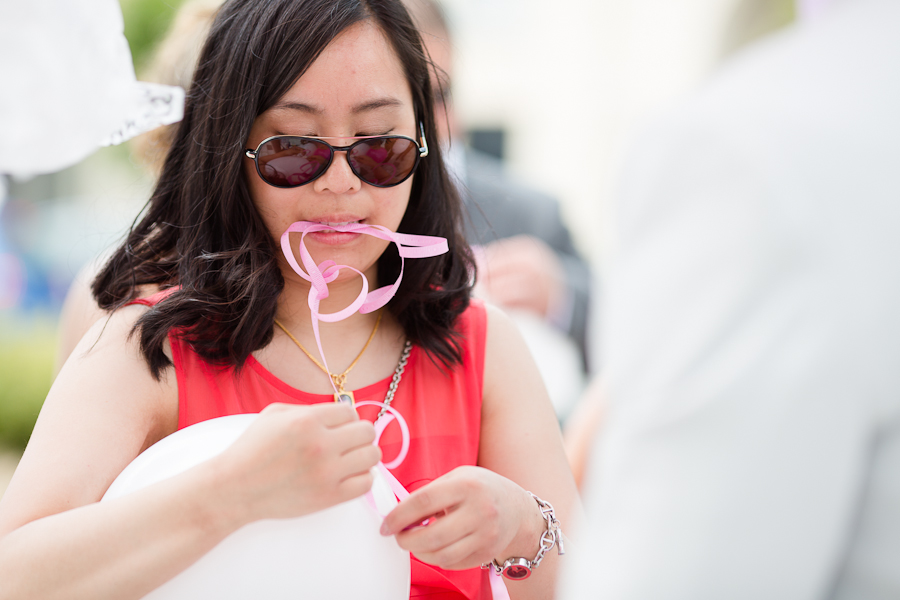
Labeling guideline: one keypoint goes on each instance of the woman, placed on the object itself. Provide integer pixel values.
(218, 314)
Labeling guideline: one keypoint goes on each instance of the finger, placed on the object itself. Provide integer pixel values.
(514, 296)
(532, 256)
(353, 487)
(512, 284)
(464, 553)
(503, 261)
(357, 462)
(350, 436)
(330, 414)
(276, 407)
(333, 414)
(513, 246)
(497, 276)
(500, 271)
(442, 530)
(425, 502)
(538, 282)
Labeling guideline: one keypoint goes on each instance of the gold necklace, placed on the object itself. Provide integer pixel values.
(338, 379)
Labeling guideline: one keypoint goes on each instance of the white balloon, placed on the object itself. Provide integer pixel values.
(334, 553)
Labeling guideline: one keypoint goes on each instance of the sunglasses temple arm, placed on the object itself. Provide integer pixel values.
(423, 151)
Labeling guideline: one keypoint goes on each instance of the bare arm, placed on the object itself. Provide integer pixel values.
(521, 441)
(490, 515)
(56, 541)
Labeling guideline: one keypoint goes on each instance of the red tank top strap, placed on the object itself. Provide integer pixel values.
(473, 326)
(154, 299)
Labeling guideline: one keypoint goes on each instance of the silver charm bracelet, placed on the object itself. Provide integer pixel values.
(518, 568)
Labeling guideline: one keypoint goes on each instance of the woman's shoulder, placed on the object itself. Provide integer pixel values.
(505, 351)
(110, 352)
(114, 330)
(113, 340)
(483, 319)
(80, 311)
(489, 326)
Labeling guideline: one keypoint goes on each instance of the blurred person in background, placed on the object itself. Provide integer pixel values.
(751, 333)
(528, 263)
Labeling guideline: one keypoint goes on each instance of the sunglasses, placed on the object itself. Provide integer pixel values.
(288, 161)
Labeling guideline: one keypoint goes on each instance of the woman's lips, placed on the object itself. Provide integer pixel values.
(334, 238)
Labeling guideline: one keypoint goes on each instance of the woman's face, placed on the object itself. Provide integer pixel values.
(355, 87)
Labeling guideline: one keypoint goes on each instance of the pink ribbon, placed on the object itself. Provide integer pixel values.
(380, 425)
(408, 245)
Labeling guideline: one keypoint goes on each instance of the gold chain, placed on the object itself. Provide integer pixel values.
(338, 379)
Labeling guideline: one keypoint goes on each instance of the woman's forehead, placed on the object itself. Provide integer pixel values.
(357, 73)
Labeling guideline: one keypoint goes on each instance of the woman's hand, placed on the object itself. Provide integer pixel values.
(296, 460)
(473, 515)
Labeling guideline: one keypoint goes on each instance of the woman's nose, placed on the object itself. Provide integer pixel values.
(339, 178)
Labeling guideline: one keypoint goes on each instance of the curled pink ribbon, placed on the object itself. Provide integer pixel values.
(409, 246)
(380, 426)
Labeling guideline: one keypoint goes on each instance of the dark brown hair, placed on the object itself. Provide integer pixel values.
(201, 231)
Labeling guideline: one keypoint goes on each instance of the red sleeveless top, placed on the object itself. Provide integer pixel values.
(442, 409)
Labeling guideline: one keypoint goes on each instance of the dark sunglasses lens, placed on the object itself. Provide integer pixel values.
(292, 161)
(384, 161)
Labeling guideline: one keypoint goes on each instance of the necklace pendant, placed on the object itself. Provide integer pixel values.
(345, 397)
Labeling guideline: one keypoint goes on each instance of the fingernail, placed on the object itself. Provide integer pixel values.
(384, 528)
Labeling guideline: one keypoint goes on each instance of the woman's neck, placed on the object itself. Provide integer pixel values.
(293, 304)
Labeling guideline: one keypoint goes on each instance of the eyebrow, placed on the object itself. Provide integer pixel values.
(386, 102)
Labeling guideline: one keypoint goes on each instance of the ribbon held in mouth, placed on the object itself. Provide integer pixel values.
(408, 245)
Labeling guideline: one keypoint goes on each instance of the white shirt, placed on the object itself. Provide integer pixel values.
(752, 331)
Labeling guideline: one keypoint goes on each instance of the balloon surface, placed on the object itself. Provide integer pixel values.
(334, 553)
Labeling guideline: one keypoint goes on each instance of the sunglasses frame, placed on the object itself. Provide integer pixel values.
(423, 152)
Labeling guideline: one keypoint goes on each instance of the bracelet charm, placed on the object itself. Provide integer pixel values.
(518, 568)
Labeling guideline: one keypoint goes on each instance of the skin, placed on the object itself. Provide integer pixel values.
(56, 541)
(79, 312)
(521, 272)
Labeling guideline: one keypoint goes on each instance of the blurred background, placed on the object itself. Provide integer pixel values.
(558, 91)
